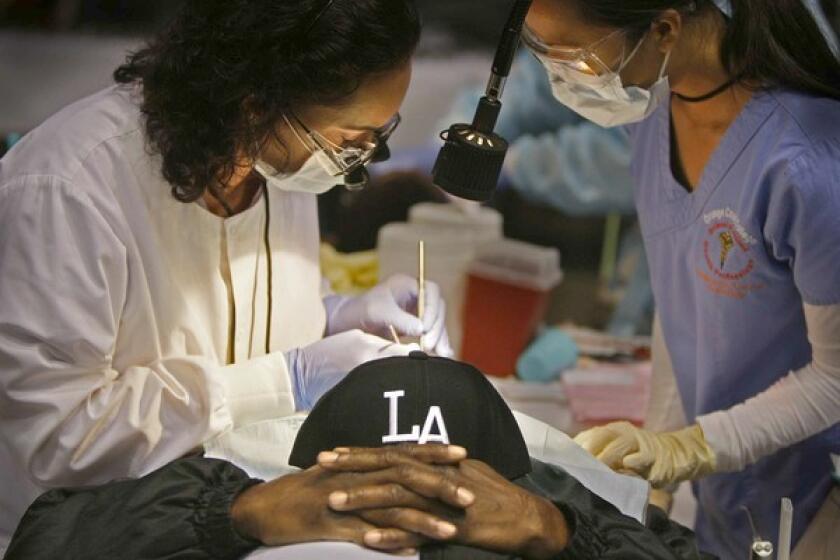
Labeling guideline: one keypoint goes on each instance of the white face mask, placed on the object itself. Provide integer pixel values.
(311, 178)
(603, 99)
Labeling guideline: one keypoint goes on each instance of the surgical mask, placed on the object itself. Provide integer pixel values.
(311, 178)
(603, 99)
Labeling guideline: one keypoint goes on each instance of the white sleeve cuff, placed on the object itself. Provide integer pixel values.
(259, 389)
(722, 437)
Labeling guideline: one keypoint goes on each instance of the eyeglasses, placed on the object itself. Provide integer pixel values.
(583, 60)
(343, 160)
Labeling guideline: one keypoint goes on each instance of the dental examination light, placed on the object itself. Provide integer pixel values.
(470, 163)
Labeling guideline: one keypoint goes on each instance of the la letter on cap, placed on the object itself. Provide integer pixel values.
(435, 416)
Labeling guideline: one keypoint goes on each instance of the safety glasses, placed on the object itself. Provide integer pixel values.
(579, 60)
(344, 160)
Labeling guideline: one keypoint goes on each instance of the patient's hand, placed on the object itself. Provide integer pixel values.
(294, 509)
(468, 502)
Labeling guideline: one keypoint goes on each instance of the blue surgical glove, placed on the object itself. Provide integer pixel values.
(319, 367)
(394, 302)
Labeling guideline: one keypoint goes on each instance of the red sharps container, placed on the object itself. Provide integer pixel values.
(508, 288)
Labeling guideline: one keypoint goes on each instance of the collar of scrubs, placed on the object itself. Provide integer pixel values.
(684, 206)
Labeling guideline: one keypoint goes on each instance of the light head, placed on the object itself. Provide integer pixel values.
(470, 163)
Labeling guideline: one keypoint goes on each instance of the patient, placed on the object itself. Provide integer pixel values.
(423, 457)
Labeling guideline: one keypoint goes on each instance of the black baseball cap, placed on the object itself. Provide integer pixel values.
(415, 399)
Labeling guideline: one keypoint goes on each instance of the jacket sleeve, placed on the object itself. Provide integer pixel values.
(600, 531)
(181, 511)
(607, 537)
(69, 410)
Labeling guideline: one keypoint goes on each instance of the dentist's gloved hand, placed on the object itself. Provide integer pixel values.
(660, 458)
(393, 302)
(319, 367)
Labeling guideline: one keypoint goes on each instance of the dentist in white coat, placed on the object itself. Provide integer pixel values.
(159, 241)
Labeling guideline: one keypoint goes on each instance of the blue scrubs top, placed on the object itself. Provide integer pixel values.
(731, 265)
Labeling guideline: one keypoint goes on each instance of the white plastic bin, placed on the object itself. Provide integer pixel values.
(448, 257)
(485, 224)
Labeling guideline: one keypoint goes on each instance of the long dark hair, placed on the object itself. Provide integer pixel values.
(768, 43)
(217, 81)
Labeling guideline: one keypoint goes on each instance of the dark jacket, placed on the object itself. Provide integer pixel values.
(182, 511)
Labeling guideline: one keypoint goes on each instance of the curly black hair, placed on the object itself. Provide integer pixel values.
(217, 81)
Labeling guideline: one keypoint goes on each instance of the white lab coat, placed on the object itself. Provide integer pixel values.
(119, 307)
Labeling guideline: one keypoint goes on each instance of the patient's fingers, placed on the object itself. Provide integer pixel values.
(355, 529)
(383, 496)
(440, 483)
(395, 541)
(374, 459)
(377, 497)
(408, 520)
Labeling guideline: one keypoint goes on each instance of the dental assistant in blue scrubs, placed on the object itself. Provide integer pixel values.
(733, 110)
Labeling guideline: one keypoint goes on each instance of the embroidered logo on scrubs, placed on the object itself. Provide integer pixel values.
(727, 253)
(727, 243)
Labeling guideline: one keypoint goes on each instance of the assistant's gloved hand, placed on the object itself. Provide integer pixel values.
(321, 366)
(660, 458)
(393, 302)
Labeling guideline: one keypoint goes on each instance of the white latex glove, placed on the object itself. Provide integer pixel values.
(662, 459)
(393, 302)
(321, 366)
